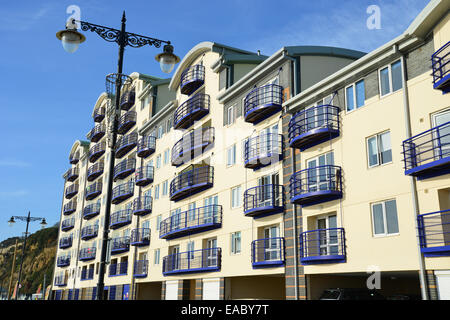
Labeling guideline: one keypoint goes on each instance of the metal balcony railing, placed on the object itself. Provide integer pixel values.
(323, 246)
(191, 110)
(316, 185)
(87, 274)
(126, 122)
(127, 99)
(120, 218)
(122, 192)
(191, 221)
(89, 232)
(97, 132)
(313, 126)
(61, 280)
(72, 174)
(71, 191)
(70, 207)
(263, 150)
(118, 269)
(441, 68)
(140, 268)
(146, 146)
(67, 224)
(268, 252)
(142, 205)
(65, 242)
(124, 168)
(96, 151)
(74, 158)
(191, 145)
(120, 245)
(263, 102)
(99, 114)
(427, 154)
(95, 171)
(125, 144)
(87, 254)
(93, 190)
(144, 175)
(202, 260)
(264, 200)
(140, 237)
(63, 261)
(434, 233)
(190, 182)
(192, 78)
(91, 210)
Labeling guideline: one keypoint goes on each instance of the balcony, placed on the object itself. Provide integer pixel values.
(118, 269)
(61, 280)
(122, 192)
(144, 176)
(125, 144)
(140, 237)
(93, 190)
(124, 168)
(140, 268)
(72, 174)
(191, 221)
(87, 274)
(127, 99)
(268, 252)
(313, 126)
(191, 110)
(91, 211)
(74, 158)
(316, 185)
(263, 102)
(264, 200)
(441, 68)
(69, 208)
(95, 171)
(323, 246)
(146, 146)
(142, 205)
(97, 132)
(87, 254)
(65, 242)
(71, 191)
(191, 145)
(120, 245)
(203, 260)
(67, 224)
(89, 232)
(63, 261)
(434, 233)
(191, 182)
(192, 78)
(126, 122)
(427, 154)
(96, 151)
(263, 150)
(99, 114)
(120, 218)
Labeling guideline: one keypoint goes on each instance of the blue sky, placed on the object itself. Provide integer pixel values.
(47, 95)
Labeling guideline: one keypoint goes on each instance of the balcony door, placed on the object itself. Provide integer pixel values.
(271, 243)
(328, 239)
(175, 257)
(267, 92)
(318, 176)
(210, 210)
(268, 141)
(441, 137)
(175, 219)
(268, 192)
(211, 252)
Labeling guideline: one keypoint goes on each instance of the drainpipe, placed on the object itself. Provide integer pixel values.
(295, 213)
(295, 90)
(415, 200)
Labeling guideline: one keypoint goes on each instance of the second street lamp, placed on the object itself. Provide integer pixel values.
(71, 39)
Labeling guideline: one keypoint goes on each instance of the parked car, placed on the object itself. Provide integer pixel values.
(351, 294)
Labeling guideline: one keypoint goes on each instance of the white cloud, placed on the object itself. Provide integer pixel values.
(14, 163)
(17, 193)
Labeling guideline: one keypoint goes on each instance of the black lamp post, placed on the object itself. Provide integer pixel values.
(71, 39)
(28, 219)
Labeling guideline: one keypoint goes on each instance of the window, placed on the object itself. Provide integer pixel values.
(391, 78)
(166, 156)
(231, 155)
(156, 256)
(231, 114)
(379, 149)
(165, 188)
(160, 132)
(236, 197)
(158, 161)
(355, 96)
(236, 242)
(158, 222)
(384, 218)
(157, 192)
(146, 224)
(190, 249)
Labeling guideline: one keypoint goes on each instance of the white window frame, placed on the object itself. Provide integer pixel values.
(166, 156)
(378, 150)
(233, 239)
(385, 234)
(158, 161)
(165, 188)
(233, 109)
(353, 86)
(389, 66)
(158, 222)
(233, 153)
(239, 197)
(156, 256)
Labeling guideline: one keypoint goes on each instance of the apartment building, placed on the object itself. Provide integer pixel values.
(247, 176)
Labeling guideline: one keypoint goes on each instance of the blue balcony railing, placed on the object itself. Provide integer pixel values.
(122, 192)
(63, 261)
(203, 260)
(191, 182)
(124, 168)
(70, 207)
(127, 99)
(191, 221)
(118, 269)
(120, 245)
(91, 210)
(87, 274)
(93, 190)
(71, 191)
(97, 132)
(191, 110)
(72, 174)
(120, 218)
(434, 233)
(89, 232)
(61, 280)
(427, 154)
(268, 252)
(441, 68)
(316, 185)
(313, 126)
(264, 200)
(323, 246)
(191, 145)
(87, 254)
(96, 151)
(263, 102)
(65, 242)
(99, 114)
(67, 224)
(140, 237)
(125, 144)
(146, 146)
(192, 78)
(140, 268)
(263, 150)
(74, 158)
(95, 171)
(144, 175)
(126, 122)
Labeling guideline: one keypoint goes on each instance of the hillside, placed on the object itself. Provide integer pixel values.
(39, 259)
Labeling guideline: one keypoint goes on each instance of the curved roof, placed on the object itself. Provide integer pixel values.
(78, 143)
(99, 101)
